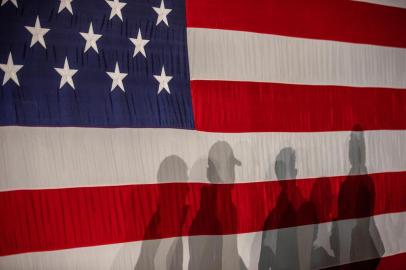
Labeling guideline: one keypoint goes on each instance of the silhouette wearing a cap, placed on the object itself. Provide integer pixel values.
(216, 251)
(285, 254)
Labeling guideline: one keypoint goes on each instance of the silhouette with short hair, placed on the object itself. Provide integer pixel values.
(216, 251)
(153, 254)
(285, 254)
(356, 200)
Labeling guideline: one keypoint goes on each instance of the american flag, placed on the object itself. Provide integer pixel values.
(211, 134)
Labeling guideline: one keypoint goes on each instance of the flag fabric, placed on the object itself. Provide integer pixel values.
(212, 134)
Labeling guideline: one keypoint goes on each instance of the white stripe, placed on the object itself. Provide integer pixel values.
(390, 3)
(35, 158)
(242, 56)
(391, 232)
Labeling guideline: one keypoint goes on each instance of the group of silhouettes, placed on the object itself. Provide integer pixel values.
(352, 236)
(297, 233)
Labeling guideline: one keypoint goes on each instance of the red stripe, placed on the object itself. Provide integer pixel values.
(39, 220)
(332, 20)
(223, 106)
(394, 262)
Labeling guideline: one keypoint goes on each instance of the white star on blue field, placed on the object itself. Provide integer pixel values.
(94, 63)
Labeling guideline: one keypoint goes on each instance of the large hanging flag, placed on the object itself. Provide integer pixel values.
(202, 134)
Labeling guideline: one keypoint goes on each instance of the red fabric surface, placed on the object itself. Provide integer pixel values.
(37, 220)
(320, 19)
(224, 106)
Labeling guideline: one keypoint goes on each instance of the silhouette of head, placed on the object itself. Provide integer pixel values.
(198, 171)
(221, 163)
(172, 169)
(357, 148)
(285, 164)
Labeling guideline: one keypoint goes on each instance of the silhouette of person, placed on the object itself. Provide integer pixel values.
(356, 199)
(216, 251)
(154, 254)
(285, 254)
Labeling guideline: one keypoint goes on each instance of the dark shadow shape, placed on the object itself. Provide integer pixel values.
(356, 200)
(321, 190)
(216, 251)
(284, 215)
(363, 265)
(171, 169)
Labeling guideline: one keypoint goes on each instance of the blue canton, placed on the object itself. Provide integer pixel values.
(94, 63)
